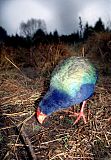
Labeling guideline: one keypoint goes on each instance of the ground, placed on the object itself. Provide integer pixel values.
(22, 137)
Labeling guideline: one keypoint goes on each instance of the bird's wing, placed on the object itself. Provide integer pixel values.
(70, 75)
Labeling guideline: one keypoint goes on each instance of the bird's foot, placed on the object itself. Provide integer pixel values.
(81, 114)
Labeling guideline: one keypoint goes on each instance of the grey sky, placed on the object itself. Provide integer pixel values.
(58, 14)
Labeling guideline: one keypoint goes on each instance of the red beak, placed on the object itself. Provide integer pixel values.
(40, 116)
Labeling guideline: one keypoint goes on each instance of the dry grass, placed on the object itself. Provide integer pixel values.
(23, 137)
(98, 46)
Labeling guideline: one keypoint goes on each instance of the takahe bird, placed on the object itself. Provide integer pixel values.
(72, 82)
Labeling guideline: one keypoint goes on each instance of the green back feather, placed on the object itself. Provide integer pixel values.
(71, 73)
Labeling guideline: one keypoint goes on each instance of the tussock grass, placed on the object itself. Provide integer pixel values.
(98, 46)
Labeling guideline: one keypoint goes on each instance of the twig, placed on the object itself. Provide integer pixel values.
(27, 141)
(17, 67)
(12, 126)
(15, 114)
(60, 154)
(24, 138)
(7, 154)
(83, 52)
(58, 139)
(8, 127)
(22, 145)
(12, 63)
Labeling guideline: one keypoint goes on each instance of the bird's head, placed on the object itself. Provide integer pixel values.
(48, 105)
(40, 116)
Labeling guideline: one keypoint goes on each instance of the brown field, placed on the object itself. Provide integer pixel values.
(24, 79)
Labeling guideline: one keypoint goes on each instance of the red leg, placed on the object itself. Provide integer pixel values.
(81, 114)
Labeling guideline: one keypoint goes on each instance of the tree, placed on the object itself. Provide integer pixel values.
(29, 28)
(88, 30)
(99, 26)
(3, 34)
(81, 27)
(39, 36)
(56, 36)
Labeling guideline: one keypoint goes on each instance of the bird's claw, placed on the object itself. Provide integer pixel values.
(81, 114)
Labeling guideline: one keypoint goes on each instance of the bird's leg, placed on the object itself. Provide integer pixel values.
(81, 114)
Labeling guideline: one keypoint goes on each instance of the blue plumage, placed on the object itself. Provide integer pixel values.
(72, 82)
(56, 100)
